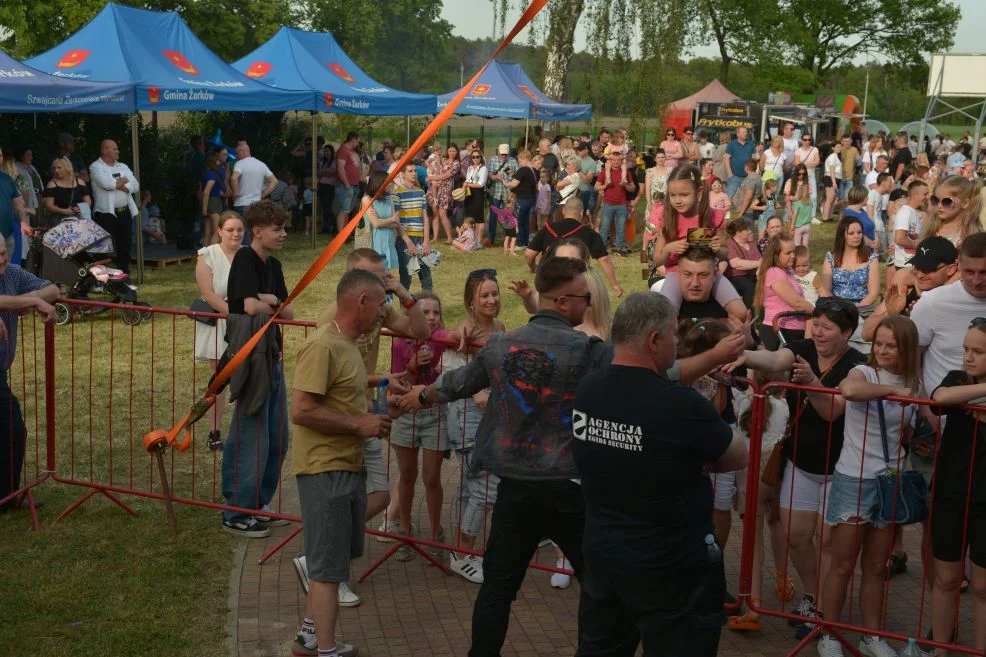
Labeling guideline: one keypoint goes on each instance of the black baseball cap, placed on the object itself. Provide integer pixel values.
(932, 253)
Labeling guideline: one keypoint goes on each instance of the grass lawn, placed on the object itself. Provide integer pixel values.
(102, 583)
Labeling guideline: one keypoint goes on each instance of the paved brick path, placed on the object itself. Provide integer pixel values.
(413, 609)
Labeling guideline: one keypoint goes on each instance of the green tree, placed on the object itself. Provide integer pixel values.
(742, 29)
(820, 35)
(403, 43)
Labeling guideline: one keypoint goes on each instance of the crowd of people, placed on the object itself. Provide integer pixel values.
(547, 418)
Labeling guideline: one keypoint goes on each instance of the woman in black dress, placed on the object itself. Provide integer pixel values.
(63, 193)
(475, 204)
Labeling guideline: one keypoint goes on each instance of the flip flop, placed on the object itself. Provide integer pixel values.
(744, 624)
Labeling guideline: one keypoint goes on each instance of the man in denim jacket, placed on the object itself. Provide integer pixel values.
(525, 435)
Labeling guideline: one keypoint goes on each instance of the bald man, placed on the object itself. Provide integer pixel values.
(114, 208)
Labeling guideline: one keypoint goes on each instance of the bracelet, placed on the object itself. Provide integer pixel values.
(410, 303)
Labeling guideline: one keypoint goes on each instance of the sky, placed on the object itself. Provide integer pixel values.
(474, 19)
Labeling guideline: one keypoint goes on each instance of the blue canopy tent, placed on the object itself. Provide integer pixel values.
(22, 89)
(170, 68)
(313, 61)
(504, 90)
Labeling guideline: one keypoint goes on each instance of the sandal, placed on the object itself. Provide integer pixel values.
(783, 587)
(748, 621)
(964, 586)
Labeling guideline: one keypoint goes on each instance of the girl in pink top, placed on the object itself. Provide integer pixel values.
(686, 208)
(778, 291)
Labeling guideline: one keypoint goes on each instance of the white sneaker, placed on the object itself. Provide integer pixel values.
(387, 526)
(301, 568)
(271, 522)
(829, 646)
(816, 222)
(876, 646)
(468, 566)
(561, 580)
(348, 597)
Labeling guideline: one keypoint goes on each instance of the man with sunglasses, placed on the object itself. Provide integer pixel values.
(689, 148)
(525, 435)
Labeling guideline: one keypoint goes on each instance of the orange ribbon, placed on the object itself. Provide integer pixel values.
(154, 437)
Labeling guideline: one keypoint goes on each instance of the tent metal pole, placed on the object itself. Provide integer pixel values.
(135, 221)
(407, 144)
(527, 131)
(315, 227)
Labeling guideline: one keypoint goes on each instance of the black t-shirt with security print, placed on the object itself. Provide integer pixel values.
(640, 444)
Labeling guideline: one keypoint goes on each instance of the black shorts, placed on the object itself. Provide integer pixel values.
(510, 232)
(949, 525)
(827, 181)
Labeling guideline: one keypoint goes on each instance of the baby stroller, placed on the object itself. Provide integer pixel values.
(69, 253)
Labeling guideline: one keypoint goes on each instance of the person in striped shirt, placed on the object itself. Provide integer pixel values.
(412, 209)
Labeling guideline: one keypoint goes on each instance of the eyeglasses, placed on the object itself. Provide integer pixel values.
(587, 297)
(932, 271)
(671, 134)
(477, 274)
(946, 202)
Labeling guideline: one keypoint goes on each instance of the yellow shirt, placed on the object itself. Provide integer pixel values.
(329, 365)
(369, 344)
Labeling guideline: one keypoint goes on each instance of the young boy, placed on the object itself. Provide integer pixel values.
(258, 431)
(412, 209)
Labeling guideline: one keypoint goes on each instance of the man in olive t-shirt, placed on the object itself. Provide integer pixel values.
(330, 418)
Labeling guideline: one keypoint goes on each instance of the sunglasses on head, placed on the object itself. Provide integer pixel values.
(946, 202)
(978, 321)
(482, 273)
(832, 304)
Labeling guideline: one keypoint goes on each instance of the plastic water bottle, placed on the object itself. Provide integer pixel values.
(911, 650)
(380, 399)
(712, 549)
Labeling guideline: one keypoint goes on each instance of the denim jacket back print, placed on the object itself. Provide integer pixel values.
(532, 373)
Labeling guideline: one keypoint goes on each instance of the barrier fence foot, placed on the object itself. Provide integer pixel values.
(279, 546)
(165, 488)
(379, 562)
(92, 491)
(35, 525)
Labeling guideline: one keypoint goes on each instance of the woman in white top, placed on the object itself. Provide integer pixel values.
(774, 159)
(831, 178)
(474, 206)
(853, 508)
(568, 184)
(872, 151)
(808, 155)
(212, 275)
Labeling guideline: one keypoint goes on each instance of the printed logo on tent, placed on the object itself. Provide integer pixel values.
(480, 90)
(72, 58)
(527, 90)
(341, 72)
(181, 62)
(328, 99)
(258, 70)
(154, 95)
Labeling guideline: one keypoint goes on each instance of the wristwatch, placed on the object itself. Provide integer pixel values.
(410, 303)
(423, 398)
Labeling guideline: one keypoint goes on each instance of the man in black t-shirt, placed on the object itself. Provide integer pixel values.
(258, 435)
(653, 571)
(901, 159)
(571, 226)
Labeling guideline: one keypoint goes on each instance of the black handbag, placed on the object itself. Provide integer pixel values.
(903, 495)
(200, 306)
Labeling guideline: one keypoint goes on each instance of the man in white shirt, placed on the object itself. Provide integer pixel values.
(114, 208)
(790, 141)
(251, 180)
(705, 148)
(943, 315)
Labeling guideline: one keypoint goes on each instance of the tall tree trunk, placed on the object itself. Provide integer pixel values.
(718, 29)
(560, 44)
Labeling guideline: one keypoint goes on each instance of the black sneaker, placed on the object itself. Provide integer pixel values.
(806, 608)
(247, 528)
(214, 442)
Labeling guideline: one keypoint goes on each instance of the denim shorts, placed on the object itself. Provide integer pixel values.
(346, 196)
(849, 497)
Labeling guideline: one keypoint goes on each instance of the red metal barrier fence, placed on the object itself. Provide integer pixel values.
(90, 390)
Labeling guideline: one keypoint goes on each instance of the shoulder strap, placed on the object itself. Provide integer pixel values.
(883, 432)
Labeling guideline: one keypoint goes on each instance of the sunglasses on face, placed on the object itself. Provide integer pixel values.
(587, 297)
(482, 273)
(475, 157)
(946, 202)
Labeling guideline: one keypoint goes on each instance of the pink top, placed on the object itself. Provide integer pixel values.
(504, 216)
(402, 349)
(772, 302)
(686, 223)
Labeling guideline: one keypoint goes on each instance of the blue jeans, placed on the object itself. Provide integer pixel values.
(241, 210)
(254, 452)
(524, 207)
(491, 219)
(609, 213)
(588, 197)
(424, 275)
(844, 187)
(733, 184)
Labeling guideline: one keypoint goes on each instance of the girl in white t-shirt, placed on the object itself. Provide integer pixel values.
(853, 503)
(831, 177)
